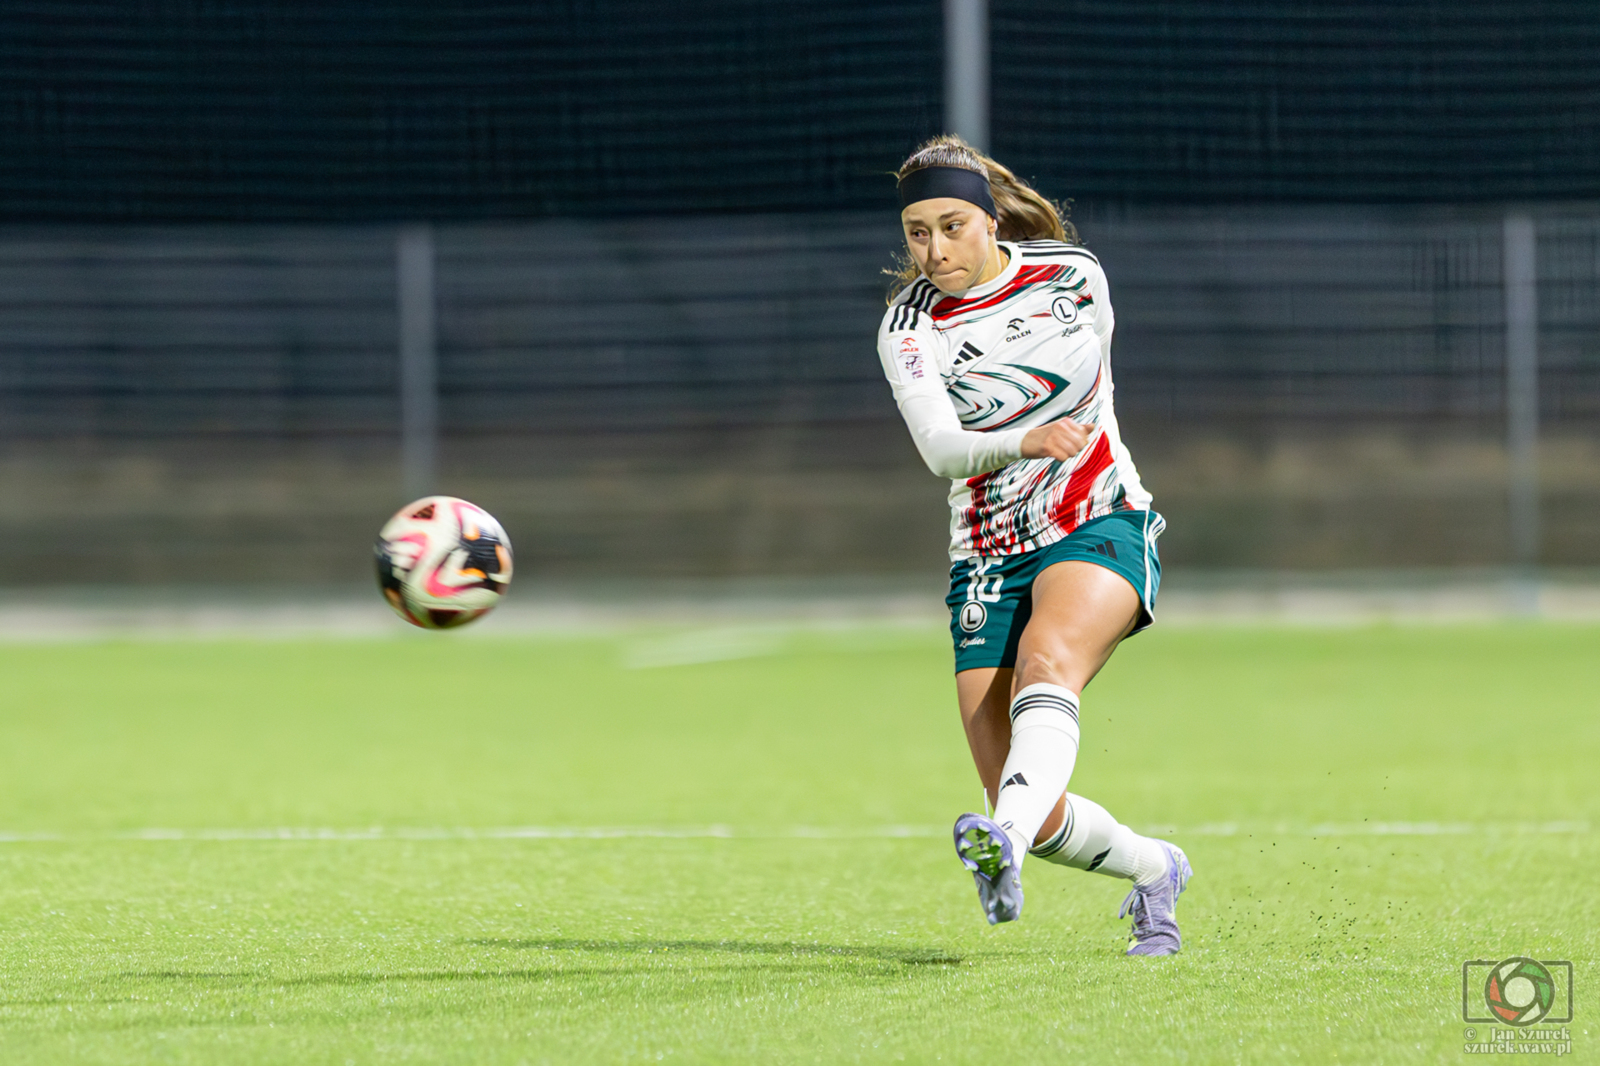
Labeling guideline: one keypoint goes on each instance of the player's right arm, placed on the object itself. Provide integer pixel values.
(916, 361)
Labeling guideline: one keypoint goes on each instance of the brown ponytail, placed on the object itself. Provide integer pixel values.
(1022, 214)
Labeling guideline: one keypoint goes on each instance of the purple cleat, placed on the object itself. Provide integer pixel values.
(985, 849)
(1155, 925)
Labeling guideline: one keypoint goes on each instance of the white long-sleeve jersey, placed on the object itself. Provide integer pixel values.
(972, 374)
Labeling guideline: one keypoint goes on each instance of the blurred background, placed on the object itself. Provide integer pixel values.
(613, 270)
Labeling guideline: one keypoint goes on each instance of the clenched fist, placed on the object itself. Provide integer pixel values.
(1056, 440)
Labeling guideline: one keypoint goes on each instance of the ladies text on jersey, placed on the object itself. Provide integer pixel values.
(972, 374)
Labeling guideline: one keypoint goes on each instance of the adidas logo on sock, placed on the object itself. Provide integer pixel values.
(1014, 779)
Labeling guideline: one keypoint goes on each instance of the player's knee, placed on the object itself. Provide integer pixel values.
(1050, 666)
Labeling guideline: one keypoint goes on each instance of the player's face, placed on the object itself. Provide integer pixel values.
(952, 241)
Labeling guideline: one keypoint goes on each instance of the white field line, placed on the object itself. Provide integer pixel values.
(1375, 829)
(720, 625)
(724, 832)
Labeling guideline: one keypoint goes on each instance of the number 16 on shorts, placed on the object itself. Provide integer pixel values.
(982, 587)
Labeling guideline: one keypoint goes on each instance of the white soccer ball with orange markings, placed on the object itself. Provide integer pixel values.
(442, 562)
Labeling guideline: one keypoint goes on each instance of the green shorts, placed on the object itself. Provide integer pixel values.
(991, 597)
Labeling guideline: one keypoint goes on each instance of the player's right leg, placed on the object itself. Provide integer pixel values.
(988, 608)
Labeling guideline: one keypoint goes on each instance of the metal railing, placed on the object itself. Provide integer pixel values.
(610, 381)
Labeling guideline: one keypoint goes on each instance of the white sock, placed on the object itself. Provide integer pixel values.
(1044, 748)
(1090, 839)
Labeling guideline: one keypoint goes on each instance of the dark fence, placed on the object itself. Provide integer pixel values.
(1387, 314)
(341, 111)
(1251, 100)
(1301, 387)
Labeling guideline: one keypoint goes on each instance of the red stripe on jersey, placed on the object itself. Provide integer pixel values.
(997, 533)
(1026, 276)
(1081, 483)
(972, 516)
(1001, 533)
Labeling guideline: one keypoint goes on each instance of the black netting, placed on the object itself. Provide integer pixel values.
(199, 110)
(1188, 100)
(191, 109)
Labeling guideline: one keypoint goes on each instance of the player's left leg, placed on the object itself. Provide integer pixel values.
(1081, 610)
(1091, 839)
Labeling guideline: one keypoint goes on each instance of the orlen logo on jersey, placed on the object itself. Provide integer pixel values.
(911, 356)
(1065, 309)
(1017, 329)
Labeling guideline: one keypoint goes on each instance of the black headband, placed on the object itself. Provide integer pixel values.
(931, 183)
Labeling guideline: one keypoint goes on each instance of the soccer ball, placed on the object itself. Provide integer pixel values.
(442, 562)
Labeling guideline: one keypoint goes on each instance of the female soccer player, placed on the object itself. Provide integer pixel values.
(998, 352)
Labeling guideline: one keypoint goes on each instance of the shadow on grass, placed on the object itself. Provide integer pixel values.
(883, 966)
(242, 977)
(904, 956)
(778, 956)
(193, 975)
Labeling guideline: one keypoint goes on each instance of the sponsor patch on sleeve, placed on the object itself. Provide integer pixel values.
(910, 357)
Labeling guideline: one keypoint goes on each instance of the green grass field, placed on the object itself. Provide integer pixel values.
(1365, 810)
